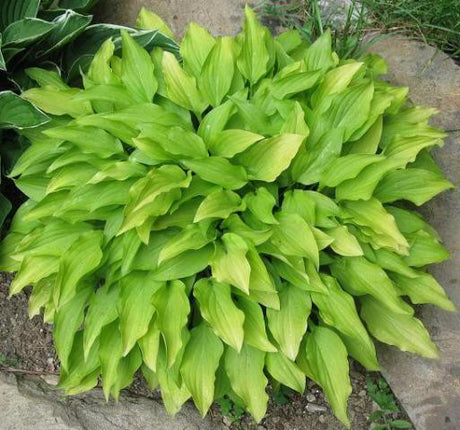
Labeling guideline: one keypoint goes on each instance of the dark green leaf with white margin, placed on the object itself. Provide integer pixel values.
(25, 32)
(18, 113)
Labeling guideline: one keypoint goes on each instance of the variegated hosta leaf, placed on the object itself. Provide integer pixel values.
(224, 217)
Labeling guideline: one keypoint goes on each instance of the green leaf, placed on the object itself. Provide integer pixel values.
(219, 171)
(293, 236)
(150, 345)
(289, 324)
(360, 277)
(254, 325)
(402, 330)
(219, 204)
(18, 113)
(135, 307)
(285, 371)
(416, 185)
(147, 20)
(285, 84)
(270, 157)
(26, 31)
(326, 363)
(245, 369)
(261, 204)
(199, 365)
(345, 243)
(423, 289)
(14, 10)
(216, 75)
(195, 48)
(319, 55)
(337, 309)
(425, 249)
(5, 207)
(137, 70)
(102, 310)
(110, 355)
(82, 257)
(67, 321)
(254, 57)
(230, 264)
(219, 310)
(180, 86)
(228, 143)
(169, 300)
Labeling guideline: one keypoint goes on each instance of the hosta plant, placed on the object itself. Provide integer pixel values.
(228, 219)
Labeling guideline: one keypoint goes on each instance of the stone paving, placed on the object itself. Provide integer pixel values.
(429, 390)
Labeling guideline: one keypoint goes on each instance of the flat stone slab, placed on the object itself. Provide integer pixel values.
(430, 389)
(220, 17)
(28, 403)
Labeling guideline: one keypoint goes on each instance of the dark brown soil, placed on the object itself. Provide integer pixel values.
(26, 345)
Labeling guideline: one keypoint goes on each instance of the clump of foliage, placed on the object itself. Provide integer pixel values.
(55, 35)
(385, 417)
(225, 220)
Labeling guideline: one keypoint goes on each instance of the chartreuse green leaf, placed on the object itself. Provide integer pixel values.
(261, 204)
(137, 70)
(289, 324)
(219, 204)
(217, 71)
(293, 236)
(337, 309)
(220, 171)
(67, 321)
(83, 256)
(423, 289)
(168, 300)
(102, 311)
(228, 143)
(230, 264)
(285, 371)
(402, 330)
(150, 345)
(219, 310)
(195, 48)
(360, 277)
(245, 370)
(254, 57)
(199, 365)
(325, 362)
(270, 157)
(136, 307)
(344, 242)
(180, 86)
(110, 355)
(254, 325)
(147, 20)
(319, 56)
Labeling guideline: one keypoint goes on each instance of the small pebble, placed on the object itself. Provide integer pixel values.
(362, 393)
(51, 379)
(322, 419)
(311, 397)
(311, 407)
(227, 421)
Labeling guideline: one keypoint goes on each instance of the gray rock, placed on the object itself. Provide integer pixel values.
(220, 17)
(335, 12)
(430, 389)
(27, 403)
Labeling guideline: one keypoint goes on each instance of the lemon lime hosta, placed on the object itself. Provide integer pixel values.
(226, 220)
